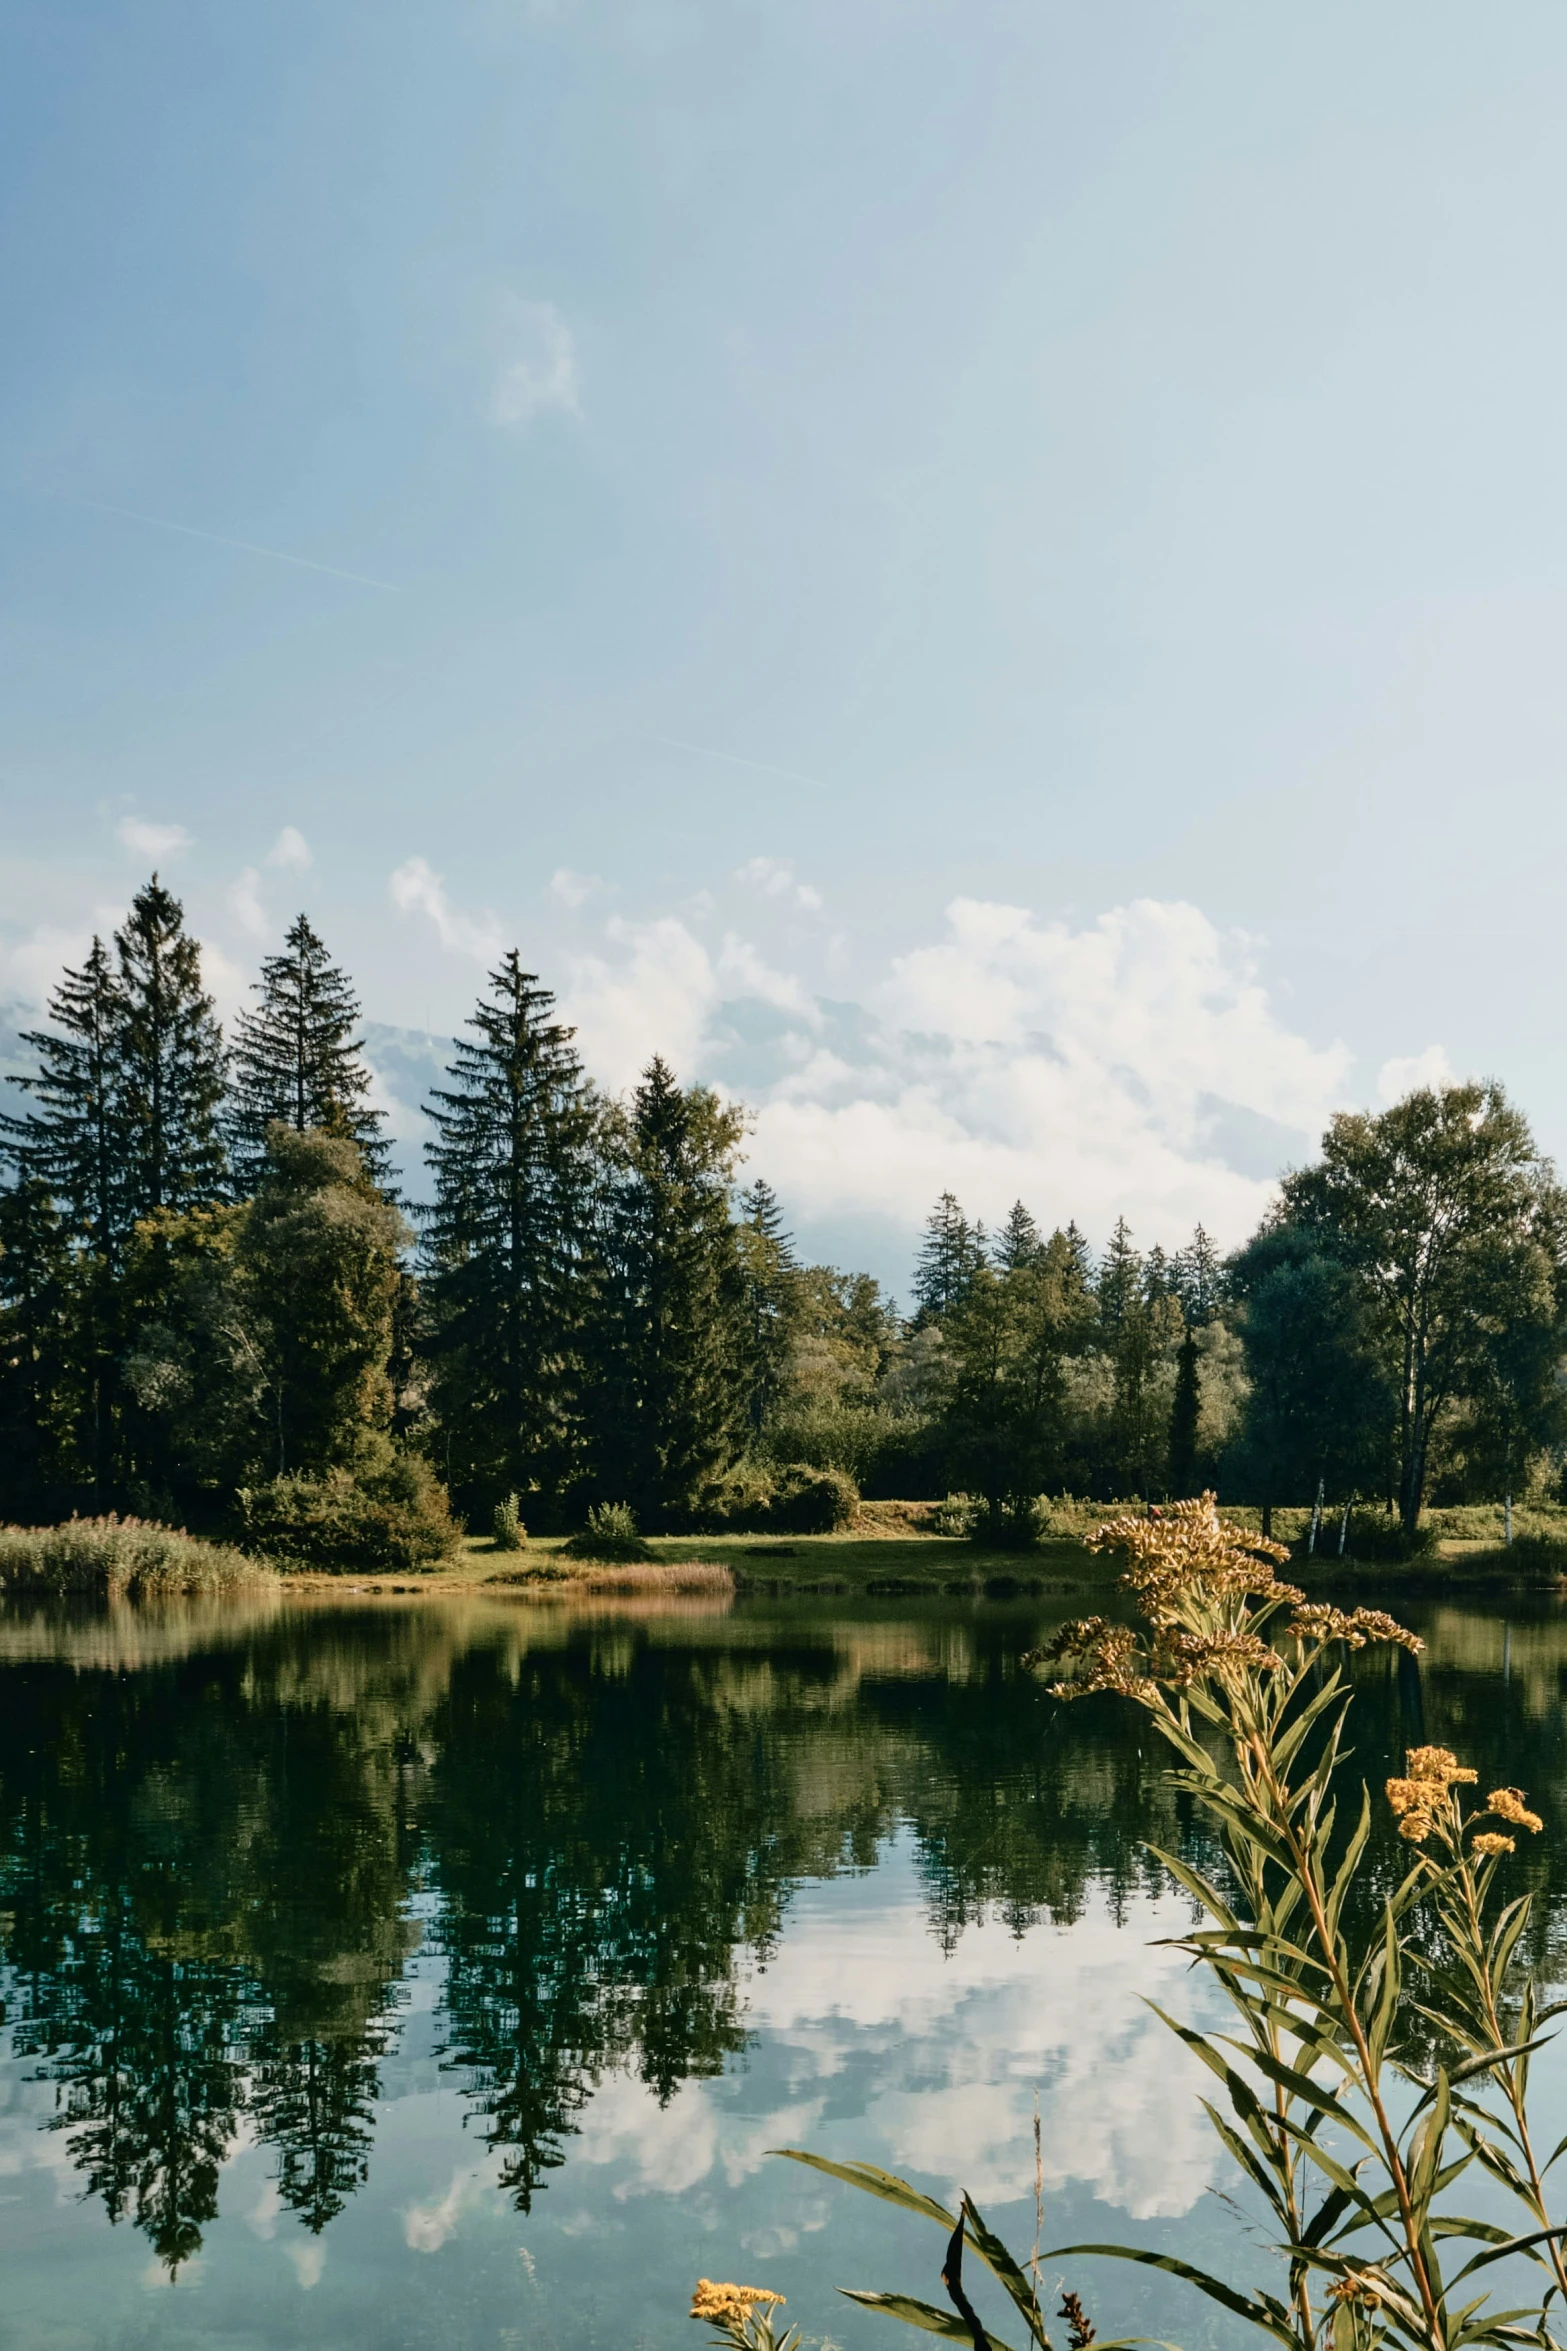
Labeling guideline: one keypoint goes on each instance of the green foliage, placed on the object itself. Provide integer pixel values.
(506, 1525)
(388, 1514)
(610, 1536)
(813, 1501)
(166, 1063)
(119, 1558)
(1450, 1227)
(951, 1253)
(295, 1062)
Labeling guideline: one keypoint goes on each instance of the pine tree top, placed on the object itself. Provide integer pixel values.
(297, 1062)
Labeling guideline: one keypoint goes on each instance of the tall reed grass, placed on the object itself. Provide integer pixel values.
(120, 1558)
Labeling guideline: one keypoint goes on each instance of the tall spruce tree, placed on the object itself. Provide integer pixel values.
(1021, 1243)
(770, 1276)
(672, 1337)
(950, 1253)
(295, 1059)
(507, 1246)
(167, 1072)
(71, 1141)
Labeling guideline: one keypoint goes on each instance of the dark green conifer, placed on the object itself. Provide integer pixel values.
(507, 1244)
(72, 1140)
(296, 1059)
(167, 1075)
(1021, 1243)
(672, 1338)
(770, 1278)
(1184, 1409)
(950, 1254)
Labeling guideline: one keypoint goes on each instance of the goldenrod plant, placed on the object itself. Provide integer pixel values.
(742, 2316)
(1352, 2136)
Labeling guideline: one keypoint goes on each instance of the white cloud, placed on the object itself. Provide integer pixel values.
(1399, 1077)
(245, 903)
(308, 2262)
(540, 371)
(416, 888)
(774, 878)
(657, 997)
(290, 849)
(151, 840)
(574, 889)
(426, 2227)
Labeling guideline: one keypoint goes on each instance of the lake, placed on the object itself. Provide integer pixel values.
(441, 1972)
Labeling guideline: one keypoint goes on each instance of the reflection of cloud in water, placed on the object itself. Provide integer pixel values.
(952, 2047)
(426, 2227)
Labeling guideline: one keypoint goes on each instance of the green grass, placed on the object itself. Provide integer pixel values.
(848, 1562)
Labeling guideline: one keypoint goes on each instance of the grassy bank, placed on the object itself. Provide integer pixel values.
(120, 1558)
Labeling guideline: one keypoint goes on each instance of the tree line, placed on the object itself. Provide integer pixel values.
(214, 1306)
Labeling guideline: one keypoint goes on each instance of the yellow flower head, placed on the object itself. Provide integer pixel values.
(1440, 1766)
(722, 2305)
(1508, 1804)
(1416, 1827)
(1489, 1842)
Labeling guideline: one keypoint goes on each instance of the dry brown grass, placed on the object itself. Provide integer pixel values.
(647, 1576)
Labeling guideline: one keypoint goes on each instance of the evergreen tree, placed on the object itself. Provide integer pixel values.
(507, 1245)
(672, 1338)
(1120, 1284)
(771, 1282)
(1199, 1279)
(950, 1253)
(166, 1080)
(1184, 1410)
(296, 1061)
(73, 1143)
(41, 1455)
(1021, 1243)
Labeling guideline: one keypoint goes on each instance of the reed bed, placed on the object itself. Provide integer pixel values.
(117, 1558)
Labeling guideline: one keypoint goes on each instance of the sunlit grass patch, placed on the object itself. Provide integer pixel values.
(115, 1558)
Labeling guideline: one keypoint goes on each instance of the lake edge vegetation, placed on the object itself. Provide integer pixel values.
(216, 1311)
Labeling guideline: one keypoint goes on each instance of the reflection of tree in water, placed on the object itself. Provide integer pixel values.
(205, 1866)
(204, 1897)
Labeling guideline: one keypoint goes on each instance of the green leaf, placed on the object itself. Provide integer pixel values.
(1242, 2304)
(921, 2314)
(875, 2182)
(1510, 2245)
(996, 2257)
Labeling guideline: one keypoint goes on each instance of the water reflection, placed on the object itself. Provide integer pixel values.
(223, 1841)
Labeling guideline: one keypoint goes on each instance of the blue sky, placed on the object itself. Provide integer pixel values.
(991, 576)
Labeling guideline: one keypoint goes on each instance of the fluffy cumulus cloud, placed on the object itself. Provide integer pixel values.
(1405, 1072)
(539, 371)
(290, 850)
(1130, 1067)
(151, 840)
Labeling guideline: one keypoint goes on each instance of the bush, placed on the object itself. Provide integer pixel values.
(610, 1536)
(391, 1515)
(813, 1501)
(506, 1526)
(959, 1514)
(1375, 1536)
(740, 1502)
(117, 1558)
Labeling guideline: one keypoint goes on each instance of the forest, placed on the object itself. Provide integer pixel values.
(216, 1309)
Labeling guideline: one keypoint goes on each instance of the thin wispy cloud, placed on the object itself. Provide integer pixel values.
(416, 888)
(572, 890)
(246, 905)
(540, 371)
(759, 767)
(151, 840)
(774, 877)
(188, 530)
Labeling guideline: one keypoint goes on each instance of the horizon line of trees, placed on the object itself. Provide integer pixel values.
(213, 1306)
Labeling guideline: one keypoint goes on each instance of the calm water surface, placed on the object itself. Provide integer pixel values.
(442, 1973)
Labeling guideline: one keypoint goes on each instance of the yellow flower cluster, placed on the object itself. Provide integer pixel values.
(1187, 1548)
(1429, 1773)
(1356, 1627)
(1508, 1804)
(729, 2305)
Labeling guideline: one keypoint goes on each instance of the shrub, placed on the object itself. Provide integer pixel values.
(392, 1514)
(1374, 1535)
(610, 1536)
(740, 1502)
(813, 1501)
(959, 1514)
(506, 1526)
(117, 1558)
